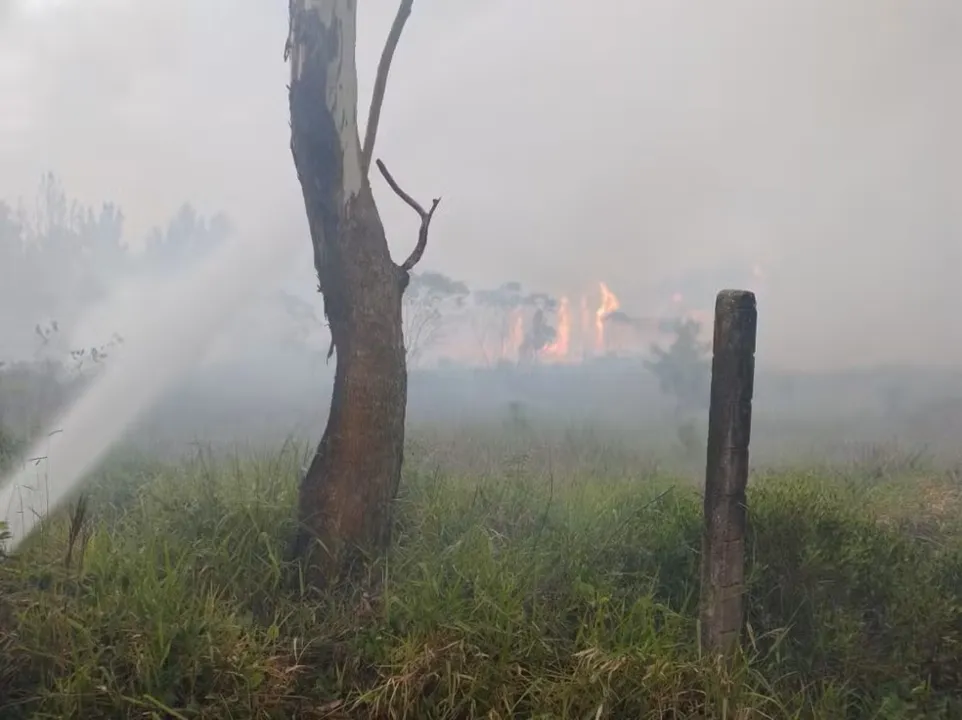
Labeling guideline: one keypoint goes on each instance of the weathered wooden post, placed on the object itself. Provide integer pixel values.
(726, 473)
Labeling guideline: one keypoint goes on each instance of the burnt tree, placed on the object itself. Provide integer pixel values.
(347, 493)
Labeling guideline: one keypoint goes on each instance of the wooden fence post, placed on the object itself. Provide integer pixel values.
(726, 472)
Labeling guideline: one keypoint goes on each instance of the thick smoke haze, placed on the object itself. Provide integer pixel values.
(639, 143)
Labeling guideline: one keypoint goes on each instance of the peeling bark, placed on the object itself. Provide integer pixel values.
(347, 494)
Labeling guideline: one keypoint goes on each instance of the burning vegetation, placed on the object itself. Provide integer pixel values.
(507, 325)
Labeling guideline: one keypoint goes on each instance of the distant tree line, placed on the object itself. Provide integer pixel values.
(58, 257)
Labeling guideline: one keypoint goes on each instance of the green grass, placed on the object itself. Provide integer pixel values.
(517, 592)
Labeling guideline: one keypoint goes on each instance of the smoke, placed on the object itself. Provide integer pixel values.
(627, 142)
(175, 322)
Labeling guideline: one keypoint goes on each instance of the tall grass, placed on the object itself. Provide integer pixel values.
(167, 594)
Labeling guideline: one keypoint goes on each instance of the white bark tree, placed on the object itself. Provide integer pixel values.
(347, 494)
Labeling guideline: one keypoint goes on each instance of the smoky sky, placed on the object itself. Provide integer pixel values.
(636, 142)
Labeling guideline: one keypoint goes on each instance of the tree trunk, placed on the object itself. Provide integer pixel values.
(347, 495)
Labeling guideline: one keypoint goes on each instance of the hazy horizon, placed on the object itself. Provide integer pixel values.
(656, 142)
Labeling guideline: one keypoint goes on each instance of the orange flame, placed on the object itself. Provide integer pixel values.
(609, 303)
(559, 348)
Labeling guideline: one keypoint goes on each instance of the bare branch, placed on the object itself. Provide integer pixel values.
(400, 193)
(289, 45)
(415, 257)
(380, 83)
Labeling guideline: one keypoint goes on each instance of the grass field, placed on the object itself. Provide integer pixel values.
(556, 584)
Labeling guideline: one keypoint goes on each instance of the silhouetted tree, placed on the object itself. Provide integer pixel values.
(684, 373)
(347, 494)
(493, 316)
(430, 302)
(188, 237)
(539, 333)
(55, 261)
(500, 309)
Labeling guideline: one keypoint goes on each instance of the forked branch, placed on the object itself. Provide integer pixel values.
(380, 83)
(415, 257)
